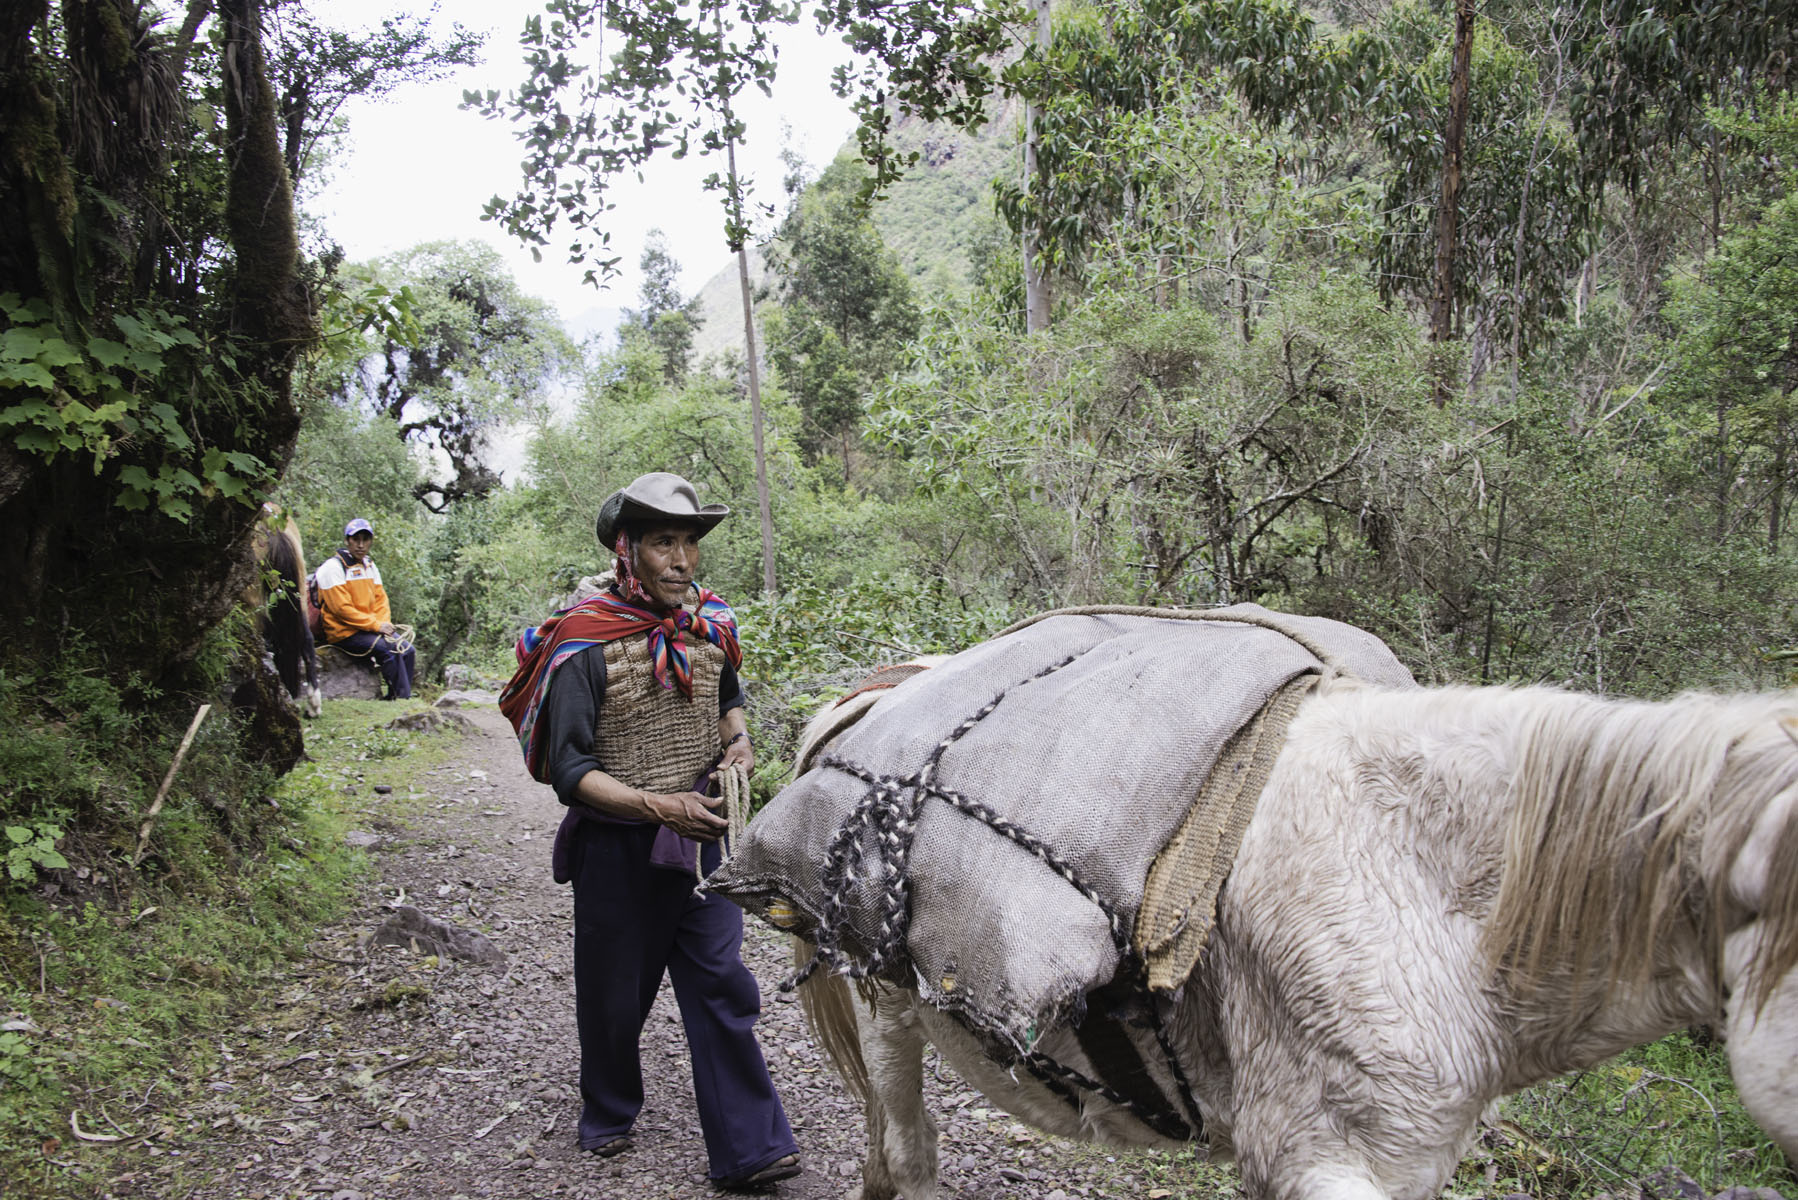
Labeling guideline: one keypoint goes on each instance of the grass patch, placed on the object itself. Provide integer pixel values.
(1667, 1105)
(118, 987)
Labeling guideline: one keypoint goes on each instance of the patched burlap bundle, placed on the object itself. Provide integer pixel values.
(1002, 812)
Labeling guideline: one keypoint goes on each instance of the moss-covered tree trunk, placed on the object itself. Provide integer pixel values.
(99, 97)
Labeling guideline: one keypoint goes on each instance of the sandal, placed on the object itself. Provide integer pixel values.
(781, 1168)
(607, 1147)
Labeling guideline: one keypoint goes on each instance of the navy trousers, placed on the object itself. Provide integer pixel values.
(632, 921)
(396, 667)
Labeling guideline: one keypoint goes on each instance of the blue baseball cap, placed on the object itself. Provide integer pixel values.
(359, 525)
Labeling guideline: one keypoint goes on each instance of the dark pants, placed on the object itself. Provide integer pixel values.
(632, 921)
(396, 665)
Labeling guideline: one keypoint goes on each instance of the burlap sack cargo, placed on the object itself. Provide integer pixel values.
(1105, 729)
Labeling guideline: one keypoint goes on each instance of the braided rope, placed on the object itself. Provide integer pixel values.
(403, 638)
(1006, 828)
(1330, 661)
(889, 812)
(1194, 1118)
(733, 786)
(1047, 1070)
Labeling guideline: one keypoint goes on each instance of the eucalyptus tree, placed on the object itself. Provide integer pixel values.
(475, 353)
(846, 307)
(671, 86)
(1733, 392)
(1649, 70)
(667, 319)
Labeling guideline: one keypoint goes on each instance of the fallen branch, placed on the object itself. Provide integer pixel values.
(83, 1135)
(342, 962)
(162, 793)
(512, 1106)
(402, 1064)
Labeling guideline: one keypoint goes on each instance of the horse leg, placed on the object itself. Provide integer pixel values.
(901, 1135)
(313, 703)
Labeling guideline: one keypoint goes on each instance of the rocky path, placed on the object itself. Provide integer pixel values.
(388, 1074)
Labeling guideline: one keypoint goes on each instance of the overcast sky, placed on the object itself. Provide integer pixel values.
(418, 168)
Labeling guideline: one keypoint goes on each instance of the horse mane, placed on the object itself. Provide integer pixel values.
(1627, 819)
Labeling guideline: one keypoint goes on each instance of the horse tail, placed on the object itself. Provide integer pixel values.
(830, 1010)
(288, 633)
(308, 644)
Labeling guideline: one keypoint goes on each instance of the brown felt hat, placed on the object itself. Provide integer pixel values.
(656, 498)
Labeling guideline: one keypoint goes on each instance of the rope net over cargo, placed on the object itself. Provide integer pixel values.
(1117, 755)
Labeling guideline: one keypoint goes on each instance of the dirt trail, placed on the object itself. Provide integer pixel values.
(387, 1075)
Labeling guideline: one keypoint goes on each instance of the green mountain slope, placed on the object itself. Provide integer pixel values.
(930, 218)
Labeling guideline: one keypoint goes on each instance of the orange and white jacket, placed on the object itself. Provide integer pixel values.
(351, 599)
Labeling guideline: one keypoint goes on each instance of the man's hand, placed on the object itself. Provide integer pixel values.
(689, 814)
(387, 628)
(739, 751)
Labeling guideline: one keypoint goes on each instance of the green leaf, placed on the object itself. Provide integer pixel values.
(20, 345)
(144, 362)
(18, 833)
(36, 411)
(28, 373)
(57, 353)
(107, 353)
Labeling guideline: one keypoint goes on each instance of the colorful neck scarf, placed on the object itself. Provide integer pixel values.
(602, 618)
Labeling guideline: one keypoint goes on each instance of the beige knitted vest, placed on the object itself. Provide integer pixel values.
(655, 738)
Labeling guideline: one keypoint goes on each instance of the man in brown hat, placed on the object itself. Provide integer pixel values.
(626, 702)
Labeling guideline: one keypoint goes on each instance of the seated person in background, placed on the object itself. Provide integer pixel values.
(354, 607)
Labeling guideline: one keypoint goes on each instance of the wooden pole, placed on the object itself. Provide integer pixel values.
(1036, 279)
(1448, 208)
(770, 585)
(162, 793)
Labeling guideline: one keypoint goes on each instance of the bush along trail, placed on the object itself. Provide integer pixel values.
(424, 1046)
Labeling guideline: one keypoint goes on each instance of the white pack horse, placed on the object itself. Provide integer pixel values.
(1446, 895)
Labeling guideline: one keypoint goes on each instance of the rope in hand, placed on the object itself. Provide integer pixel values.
(733, 786)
